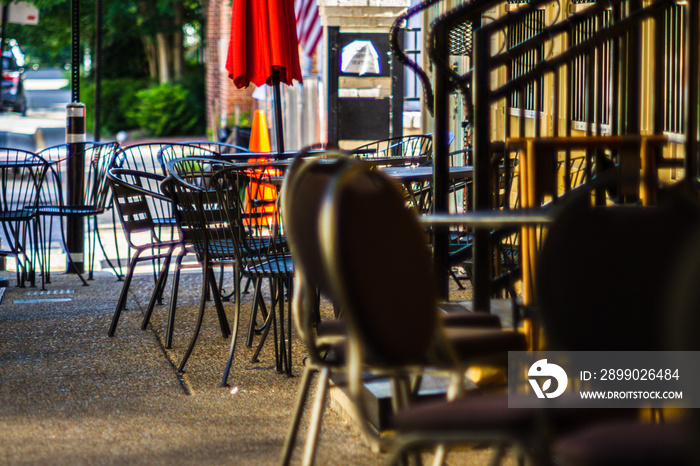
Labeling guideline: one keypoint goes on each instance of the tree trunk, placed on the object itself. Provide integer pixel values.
(151, 56)
(164, 52)
(178, 48)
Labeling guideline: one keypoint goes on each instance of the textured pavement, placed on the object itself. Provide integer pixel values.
(71, 395)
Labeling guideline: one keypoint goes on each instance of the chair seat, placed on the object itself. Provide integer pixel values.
(69, 210)
(276, 267)
(168, 221)
(17, 215)
(626, 443)
(456, 315)
(480, 413)
(471, 343)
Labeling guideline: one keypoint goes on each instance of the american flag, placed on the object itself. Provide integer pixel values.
(309, 27)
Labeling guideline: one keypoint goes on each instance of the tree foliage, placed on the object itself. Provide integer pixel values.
(140, 37)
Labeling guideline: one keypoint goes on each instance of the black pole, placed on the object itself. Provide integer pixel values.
(441, 162)
(75, 51)
(692, 92)
(98, 71)
(278, 110)
(75, 135)
(481, 249)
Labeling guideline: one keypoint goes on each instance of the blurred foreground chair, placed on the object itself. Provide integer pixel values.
(601, 286)
(641, 268)
(61, 197)
(303, 195)
(22, 174)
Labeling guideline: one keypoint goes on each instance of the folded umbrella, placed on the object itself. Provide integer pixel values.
(264, 49)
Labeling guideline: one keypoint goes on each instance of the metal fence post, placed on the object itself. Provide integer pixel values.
(75, 170)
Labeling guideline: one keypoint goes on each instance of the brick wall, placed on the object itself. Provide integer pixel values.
(222, 96)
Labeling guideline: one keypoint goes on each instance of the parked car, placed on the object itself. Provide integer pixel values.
(13, 96)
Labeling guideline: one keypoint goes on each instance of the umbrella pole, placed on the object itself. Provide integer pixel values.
(278, 110)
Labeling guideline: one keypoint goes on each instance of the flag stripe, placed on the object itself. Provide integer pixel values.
(309, 29)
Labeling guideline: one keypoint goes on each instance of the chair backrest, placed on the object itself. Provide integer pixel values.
(603, 272)
(302, 196)
(131, 197)
(418, 146)
(380, 266)
(59, 189)
(303, 193)
(220, 147)
(22, 174)
(181, 150)
(197, 209)
(248, 195)
(144, 158)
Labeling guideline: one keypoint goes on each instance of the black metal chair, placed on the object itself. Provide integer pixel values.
(209, 207)
(131, 198)
(21, 174)
(61, 197)
(144, 158)
(601, 286)
(249, 197)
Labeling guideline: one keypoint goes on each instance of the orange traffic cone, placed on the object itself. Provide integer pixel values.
(259, 138)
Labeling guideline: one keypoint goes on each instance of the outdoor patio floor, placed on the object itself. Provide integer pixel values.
(71, 395)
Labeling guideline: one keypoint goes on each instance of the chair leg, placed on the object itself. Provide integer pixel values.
(270, 322)
(119, 273)
(291, 437)
(316, 415)
(122, 297)
(92, 243)
(283, 366)
(257, 301)
(219, 305)
(65, 247)
(157, 290)
(234, 332)
(200, 318)
(173, 300)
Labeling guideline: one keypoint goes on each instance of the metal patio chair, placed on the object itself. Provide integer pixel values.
(208, 209)
(61, 198)
(248, 195)
(404, 150)
(22, 174)
(131, 197)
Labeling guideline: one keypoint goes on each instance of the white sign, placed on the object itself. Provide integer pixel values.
(22, 13)
(360, 57)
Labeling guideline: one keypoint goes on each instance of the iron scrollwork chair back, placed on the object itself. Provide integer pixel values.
(22, 174)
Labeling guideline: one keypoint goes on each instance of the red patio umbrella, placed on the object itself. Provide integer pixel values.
(264, 49)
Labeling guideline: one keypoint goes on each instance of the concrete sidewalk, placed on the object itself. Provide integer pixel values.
(71, 395)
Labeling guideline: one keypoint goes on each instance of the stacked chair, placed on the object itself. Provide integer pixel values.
(59, 198)
(224, 210)
(23, 175)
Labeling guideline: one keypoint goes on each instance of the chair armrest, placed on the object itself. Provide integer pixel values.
(489, 219)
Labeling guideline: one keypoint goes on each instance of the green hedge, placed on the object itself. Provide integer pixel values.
(167, 110)
(118, 97)
(158, 110)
